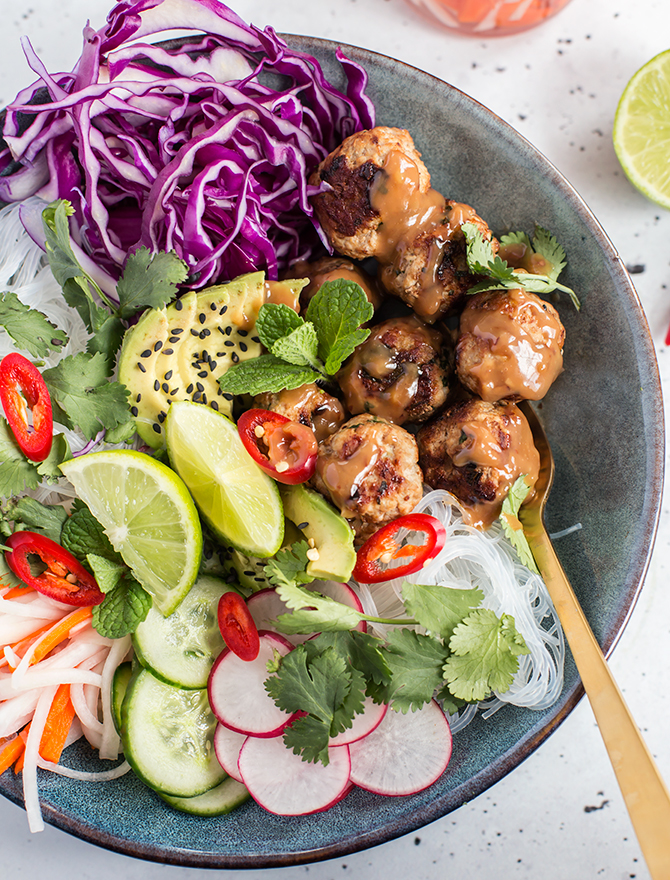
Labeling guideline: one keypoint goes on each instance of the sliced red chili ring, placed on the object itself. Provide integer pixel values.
(60, 575)
(387, 554)
(237, 626)
(22, 388)
(284, 449)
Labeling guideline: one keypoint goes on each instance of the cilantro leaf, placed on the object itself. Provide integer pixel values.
(361, 650)
(30, 329)
(274, 321)
(27, 512)
(49, 469)
(300, 347)
(265, 373)
(289, 565)
(416, 662)
(122, 610)
(511, 524)
(16, 472)
(313, 612)
(484, 657)
(149, 281)
(337, 311)
(64, 265)
(439, 608)
(82, 396)
(546, 245)
(308, 736)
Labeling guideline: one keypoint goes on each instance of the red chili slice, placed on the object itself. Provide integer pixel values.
(61, 576)
(386, 555)
(22, 388)
(284, 449)
(238, 627)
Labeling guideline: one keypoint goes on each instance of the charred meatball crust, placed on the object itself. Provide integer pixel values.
(344, 209)
(309, 405)
(329, 269)
(400, 373)
(369, 470)
(430, 273)
(450, 436)
(510, 345)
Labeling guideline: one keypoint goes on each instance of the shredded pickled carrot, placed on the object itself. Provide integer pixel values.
(57, 726)
(15, 592)
(10, 751)
(59, 633)
(23, 736)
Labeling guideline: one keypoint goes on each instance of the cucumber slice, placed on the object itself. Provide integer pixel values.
(216, 802)
(122, 676)
(181, 649)
(167, 735)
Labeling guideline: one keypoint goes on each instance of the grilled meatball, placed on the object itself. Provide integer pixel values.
(476, 450)
(510, 345)
(330, 269)
(309, 405)
(429, 269)
(368, 175)
(369, 470)
(401, 372)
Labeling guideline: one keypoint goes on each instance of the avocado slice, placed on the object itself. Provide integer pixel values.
(179, 352)
(332, 535)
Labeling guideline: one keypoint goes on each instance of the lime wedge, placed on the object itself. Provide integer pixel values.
(239, 501)
(147, 514)
(642, 130)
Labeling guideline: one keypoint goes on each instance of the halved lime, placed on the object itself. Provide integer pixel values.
(239, 501)
(147, 514)
(642, 130)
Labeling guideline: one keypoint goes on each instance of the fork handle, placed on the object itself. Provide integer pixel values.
(645, 793)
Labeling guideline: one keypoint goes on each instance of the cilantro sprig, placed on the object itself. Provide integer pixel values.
(511, 524)
(500, 275)
(303, 350)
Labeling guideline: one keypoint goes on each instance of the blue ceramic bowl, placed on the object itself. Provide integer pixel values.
(605, 423)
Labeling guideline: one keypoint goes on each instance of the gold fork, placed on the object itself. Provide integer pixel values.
(645, 794)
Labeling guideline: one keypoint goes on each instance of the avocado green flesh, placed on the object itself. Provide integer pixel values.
(332, 536)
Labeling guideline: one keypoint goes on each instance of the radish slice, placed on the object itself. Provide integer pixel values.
(236, 693)
(282, 783)
(404, 754)
(227, 745)
(363, 724)
(265, 606)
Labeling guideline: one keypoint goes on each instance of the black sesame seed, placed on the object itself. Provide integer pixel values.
(189, 389)
(173, 339)
(157, 428)
(168, 375)
(260, 580)
(235, 358)
(243, 333)
(158, 345)
(229, 343)
(249, 573)
(205, 332)
(194, 332)
(142, 367)
(174, 391)
(165, 387)
(302, 525)
(202, 317)
(229, 330)
(227, 395)
(223, 310)
(138, 398)
(243, 346)
(255, 339)
(203, 374)
(134, 410)
(179, 305)
(146, 353)
(221, 354)
(157, 385)
(168, 351)
(162, 416)
(213, 306)
(177, 331)
(197, 396)
(205, 355)
(200, 386)
(204, 398)
(221, 331)
(212, 366)
(214, 405)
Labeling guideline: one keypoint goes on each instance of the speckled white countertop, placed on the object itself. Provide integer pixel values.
(559, 816)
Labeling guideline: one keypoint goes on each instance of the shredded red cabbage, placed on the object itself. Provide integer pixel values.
(182, 148)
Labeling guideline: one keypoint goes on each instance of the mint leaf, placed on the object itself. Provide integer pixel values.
(484, 657)
(28, 513)
(30, 329)
(439, 608)
(149, 281)
(122, 609)
(416, 663)
(300, 347)
(265, 373)
(16, 472)
(274, 321)
(313, 612)
(82, 535)
(107, 573)
(82, 396)
(511, 524)
(337, 311)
